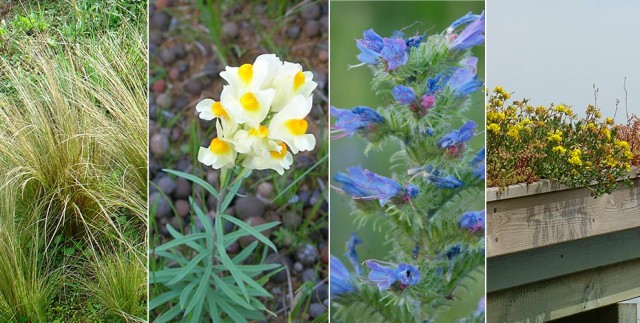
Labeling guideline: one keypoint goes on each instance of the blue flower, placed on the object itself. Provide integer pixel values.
(459, 136)
(340, 279)
(394, 52)
(352, 254)
(444, 181)
(464, 80)
(358, 118)
(403, 94)
(466, 19)
(414, 41)
(472, 35)
(370, 47)
(404, 274)
(366, 185)
(433, 84)
(478, 162)
(472, 221)
(454, 251)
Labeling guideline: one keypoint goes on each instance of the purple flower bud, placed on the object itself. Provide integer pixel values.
(403, 94)
(427, 101)
(352, 254)
(472, 35)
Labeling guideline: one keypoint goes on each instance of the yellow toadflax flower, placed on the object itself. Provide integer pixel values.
(290, 126)
(279, 159)
(289, 82)
(220, 153)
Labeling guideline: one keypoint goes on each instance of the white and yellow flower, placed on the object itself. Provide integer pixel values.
(279, 159)
(221, 152)
(248, 107)
(290, 126)
(254, 141)
(209, 109)
(289, 82)
(253, 77)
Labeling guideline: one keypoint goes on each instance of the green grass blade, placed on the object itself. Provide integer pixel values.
(168, 315)
(301, 177)
(251, 230)
(195, 180)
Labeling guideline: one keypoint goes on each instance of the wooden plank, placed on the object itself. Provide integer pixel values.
(533, 265)
(533, 221)
(621, 313)
(566, 295)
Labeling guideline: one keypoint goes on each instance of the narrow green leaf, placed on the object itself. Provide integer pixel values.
(213, 308)
(186, 293)
(163, 298)
(206, 222)
(195, 180)
(251, 230)
(224, 258)
(198, 299)
(164, 275)
(233, 236)
(229, 292)
(245, 253)
(168, 315)
(188, 269)
(229, 197)
(233, 313)
(177, 235)
(176, 242)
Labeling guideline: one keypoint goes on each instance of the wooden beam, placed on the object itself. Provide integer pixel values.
(566, 295)
(561, 259)
(531, 221)
(620, 313)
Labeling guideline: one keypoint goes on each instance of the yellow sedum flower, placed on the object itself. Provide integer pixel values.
(494, 127)
(559, 149)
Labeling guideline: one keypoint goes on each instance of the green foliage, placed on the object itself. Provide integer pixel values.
(205, 280)
(525, 144)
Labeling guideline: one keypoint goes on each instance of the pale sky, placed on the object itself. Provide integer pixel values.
(555, 50)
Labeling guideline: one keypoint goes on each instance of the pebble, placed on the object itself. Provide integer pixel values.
(212, 178)
(230, 29)
(160, 21)
(293, 32)
(312, 28)
(161, 205)
(177, 222)
(167, 185)
(323, 56)
(233, 248)
(265, 189)
(228, 227)
(305, 196)
(298, 267)
(183, 208)
(316, 310)
(193, 86)
(161, 4)
(163, 100)
(276, 258)
(320, 293)
(311, 11)
(325, 255)
(154, 167)
(324, 24)
(159, 86)
(183, 67)
(183, 188)
(249, 206)
(167, 56)
(303, 161)
(159, 145)
(309, 275)
(212, 202)
(291, 220)
(255, 221)
(307, 254)
(320, 78)
(174, 74)
(156, 39)
(180, 102)
(179, 51)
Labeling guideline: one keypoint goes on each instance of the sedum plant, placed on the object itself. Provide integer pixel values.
(260, 122)
(526, 143)
(430, 211)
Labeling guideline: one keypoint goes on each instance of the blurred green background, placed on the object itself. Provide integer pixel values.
(349, 88)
